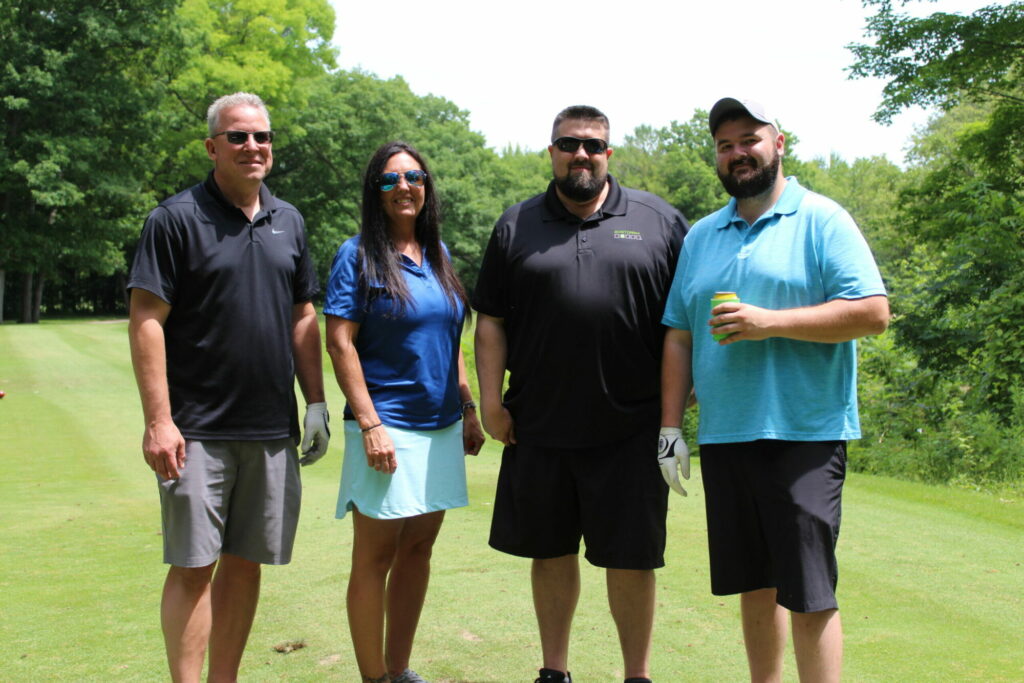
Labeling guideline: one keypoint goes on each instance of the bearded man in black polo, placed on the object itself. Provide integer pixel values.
(570, 297)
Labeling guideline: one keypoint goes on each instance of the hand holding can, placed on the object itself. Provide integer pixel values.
(721, 298)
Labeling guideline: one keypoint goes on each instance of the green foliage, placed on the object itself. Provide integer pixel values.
(921, 425)
(942, 59)
(350, 114)
(70, 172)
(944, 395)
(275, 48)
(676, 163)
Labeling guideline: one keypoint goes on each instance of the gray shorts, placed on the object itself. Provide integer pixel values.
(237, 497)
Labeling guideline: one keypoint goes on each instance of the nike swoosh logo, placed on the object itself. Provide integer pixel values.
(277, 232)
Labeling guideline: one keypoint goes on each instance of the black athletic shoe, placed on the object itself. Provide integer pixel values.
(638, 680)
(553, 676)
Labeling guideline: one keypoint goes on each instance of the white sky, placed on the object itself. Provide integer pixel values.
(514, 65)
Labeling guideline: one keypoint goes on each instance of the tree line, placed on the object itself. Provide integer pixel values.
(104, 109)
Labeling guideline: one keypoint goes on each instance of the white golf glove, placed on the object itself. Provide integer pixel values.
(315, 433)
(673, 457)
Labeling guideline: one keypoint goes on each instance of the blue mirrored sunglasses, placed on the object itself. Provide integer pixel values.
(389, 181)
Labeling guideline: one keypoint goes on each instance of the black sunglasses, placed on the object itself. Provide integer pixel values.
(240, 137)
(388, 181)
(569, 145)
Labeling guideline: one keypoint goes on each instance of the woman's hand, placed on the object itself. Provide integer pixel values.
(472, 432)
(380, 451)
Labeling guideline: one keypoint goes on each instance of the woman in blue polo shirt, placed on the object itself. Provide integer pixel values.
(395, 310)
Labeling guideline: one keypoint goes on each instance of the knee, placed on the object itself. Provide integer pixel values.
(373, 559)
(192, 580)
(238, 568)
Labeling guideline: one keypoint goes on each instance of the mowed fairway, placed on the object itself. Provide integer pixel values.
(931, 587)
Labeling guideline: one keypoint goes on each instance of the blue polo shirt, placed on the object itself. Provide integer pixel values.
(804, 251)
(410, 362)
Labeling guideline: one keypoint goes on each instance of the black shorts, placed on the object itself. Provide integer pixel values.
(612, 496)
(773, 512)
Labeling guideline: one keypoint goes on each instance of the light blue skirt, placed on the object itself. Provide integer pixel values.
(431, 474)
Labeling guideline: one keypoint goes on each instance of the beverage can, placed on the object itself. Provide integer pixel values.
(721, 298)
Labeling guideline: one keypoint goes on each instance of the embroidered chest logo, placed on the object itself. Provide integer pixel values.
(627, 235)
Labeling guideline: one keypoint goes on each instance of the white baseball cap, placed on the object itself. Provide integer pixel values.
(730, 105)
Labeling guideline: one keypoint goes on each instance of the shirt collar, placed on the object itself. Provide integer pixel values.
(614, 204)
(267, 202)
(785, 205)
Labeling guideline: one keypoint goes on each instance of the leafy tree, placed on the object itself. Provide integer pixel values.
(275, 48)
(676, 163)
(349, 115)
(965, 207)
(958, 289)
(943, 59)
(73, 97)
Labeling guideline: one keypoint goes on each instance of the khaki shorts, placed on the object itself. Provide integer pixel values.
(236, 497)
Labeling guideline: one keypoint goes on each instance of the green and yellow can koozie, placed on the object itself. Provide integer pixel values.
(721, 298)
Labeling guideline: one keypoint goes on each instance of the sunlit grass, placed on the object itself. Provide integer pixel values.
(931, 582)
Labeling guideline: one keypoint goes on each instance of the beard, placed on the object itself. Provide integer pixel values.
(581, 187)
(760, 181)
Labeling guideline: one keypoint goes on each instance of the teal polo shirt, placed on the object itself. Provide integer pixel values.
(804, 251)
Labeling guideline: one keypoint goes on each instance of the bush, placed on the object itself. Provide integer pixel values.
(920, 425)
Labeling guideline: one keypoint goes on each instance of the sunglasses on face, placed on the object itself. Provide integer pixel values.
(240, 137)
(569, 145)
(389, 181)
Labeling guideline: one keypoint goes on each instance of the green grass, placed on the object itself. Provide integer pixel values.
(931, 585)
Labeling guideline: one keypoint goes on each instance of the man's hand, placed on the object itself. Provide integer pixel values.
(164, 449)
(673, 457)
(742, 322)
(315, 433)
(498, 423)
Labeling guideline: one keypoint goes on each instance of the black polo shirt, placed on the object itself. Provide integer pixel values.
(232, 284)
(582, 303)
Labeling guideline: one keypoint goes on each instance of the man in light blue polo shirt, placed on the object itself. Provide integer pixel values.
(778, 395)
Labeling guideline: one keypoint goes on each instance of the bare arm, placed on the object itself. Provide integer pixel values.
(306, 351)
(832, 322)
(472, 432)
(341, 337)
(491, 358)
(163, 447)
(676, 376)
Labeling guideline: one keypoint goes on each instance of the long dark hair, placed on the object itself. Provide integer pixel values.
(378, 257)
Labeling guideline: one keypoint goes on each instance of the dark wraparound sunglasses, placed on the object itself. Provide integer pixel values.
(389, 181)
(240, 137)
(569, 145)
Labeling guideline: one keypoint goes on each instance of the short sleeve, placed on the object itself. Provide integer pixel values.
(849, 270)
(155, 266)
(306, 285)
(489, 296)
(343, 298)
(675, 304)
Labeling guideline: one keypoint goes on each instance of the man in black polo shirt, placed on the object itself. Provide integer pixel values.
(221, 324)
(570, 298)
